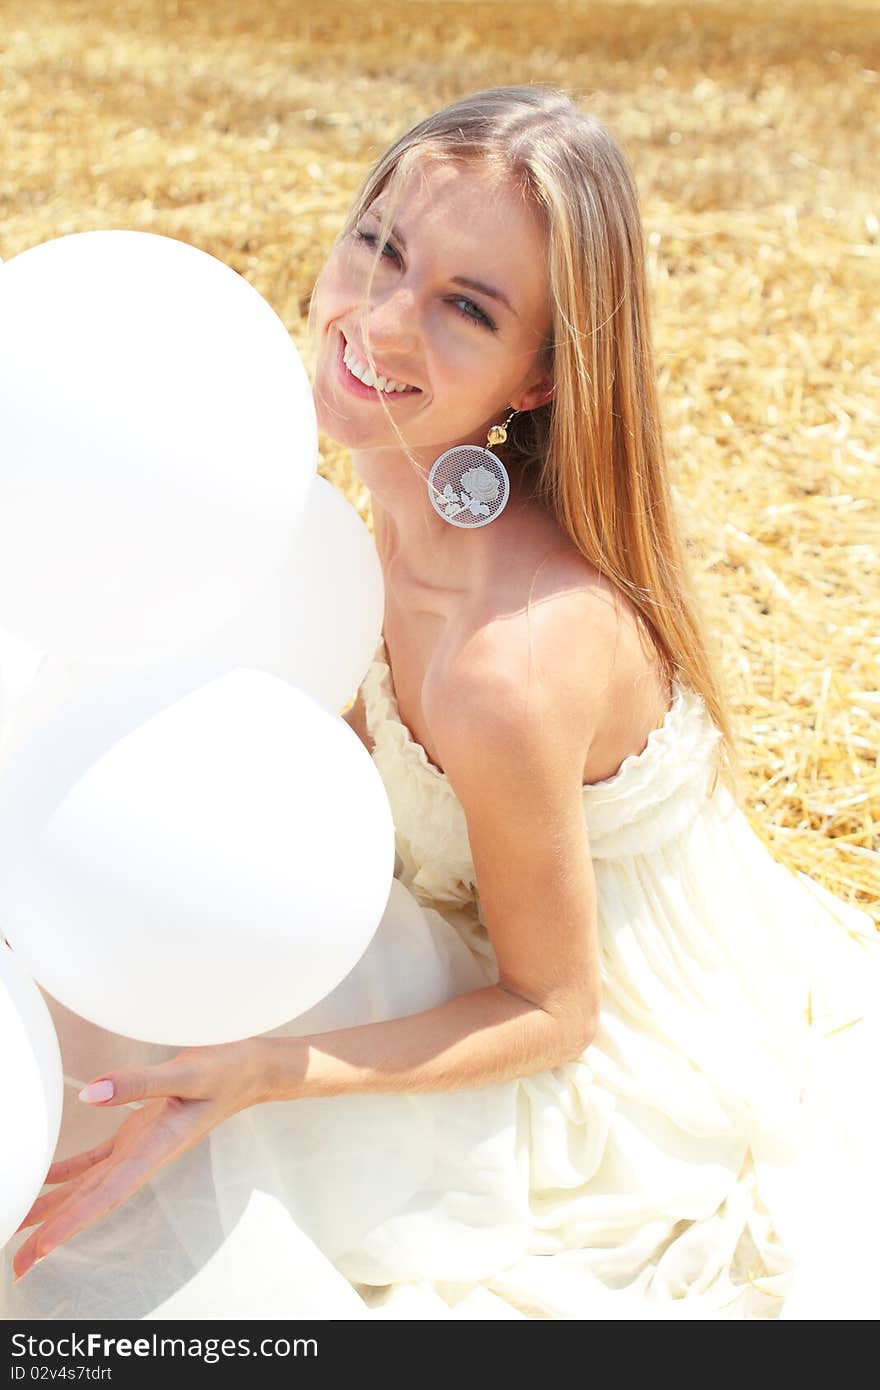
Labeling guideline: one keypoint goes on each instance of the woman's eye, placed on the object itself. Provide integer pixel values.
(370, 240)
(477, 316)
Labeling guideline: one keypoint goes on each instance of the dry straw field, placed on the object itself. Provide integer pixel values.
(752, 129)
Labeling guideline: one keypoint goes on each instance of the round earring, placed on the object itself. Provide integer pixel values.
(468, 486)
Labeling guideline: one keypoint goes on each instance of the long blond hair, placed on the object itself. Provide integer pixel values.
(595, 450)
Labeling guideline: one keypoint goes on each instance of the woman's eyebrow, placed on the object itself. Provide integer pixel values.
(465, 280)
(484, 289)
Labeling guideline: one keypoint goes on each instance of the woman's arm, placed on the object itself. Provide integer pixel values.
(489, 1035)
(514, 753)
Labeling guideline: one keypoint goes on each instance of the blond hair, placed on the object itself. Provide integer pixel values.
(595, 449)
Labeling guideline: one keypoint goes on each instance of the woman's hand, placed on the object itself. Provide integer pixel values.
(183, 1099)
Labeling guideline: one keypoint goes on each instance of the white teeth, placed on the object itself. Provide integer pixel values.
(364, 374)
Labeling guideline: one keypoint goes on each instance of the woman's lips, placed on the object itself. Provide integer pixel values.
(357, 388)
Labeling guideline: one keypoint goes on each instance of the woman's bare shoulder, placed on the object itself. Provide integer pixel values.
(546, 641)
(569, 652)
(562, 610)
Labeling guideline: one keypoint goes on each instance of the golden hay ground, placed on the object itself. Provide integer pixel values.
(753, 132)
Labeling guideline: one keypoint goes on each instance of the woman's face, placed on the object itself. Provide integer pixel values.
(467, 351)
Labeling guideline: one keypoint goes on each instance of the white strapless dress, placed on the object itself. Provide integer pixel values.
(712, 1154)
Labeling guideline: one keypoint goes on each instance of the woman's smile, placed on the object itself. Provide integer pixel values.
(359, 388)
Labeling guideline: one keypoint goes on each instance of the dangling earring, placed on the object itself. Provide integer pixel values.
(469, 486)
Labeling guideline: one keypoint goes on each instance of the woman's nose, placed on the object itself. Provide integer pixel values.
(391, 320)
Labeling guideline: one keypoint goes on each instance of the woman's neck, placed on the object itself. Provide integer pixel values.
(417, 544)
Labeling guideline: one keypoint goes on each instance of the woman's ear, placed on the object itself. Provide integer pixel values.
(536, 396)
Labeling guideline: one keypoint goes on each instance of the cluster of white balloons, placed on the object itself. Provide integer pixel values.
(194, 846)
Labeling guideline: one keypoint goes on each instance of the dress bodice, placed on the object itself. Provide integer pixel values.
(650, 799)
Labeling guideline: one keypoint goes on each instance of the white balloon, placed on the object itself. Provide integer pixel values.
(31, 1090)
(21, 665)
(331, 583)
(158, 440)
(191, 864)
(331, 639)
(318, 625)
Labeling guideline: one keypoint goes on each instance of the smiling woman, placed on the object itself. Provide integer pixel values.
(574, 1073)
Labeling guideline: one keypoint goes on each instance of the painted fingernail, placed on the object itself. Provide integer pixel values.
(98, 1090)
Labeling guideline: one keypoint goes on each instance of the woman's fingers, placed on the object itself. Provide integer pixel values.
(146, 1140)
(236, 1071)
(185, 1097)
(189, 1076)
(123, 1087)
(45, 1207)
(66, 1168)
(68, 1175)
(97, 1191)
(74, 1209)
